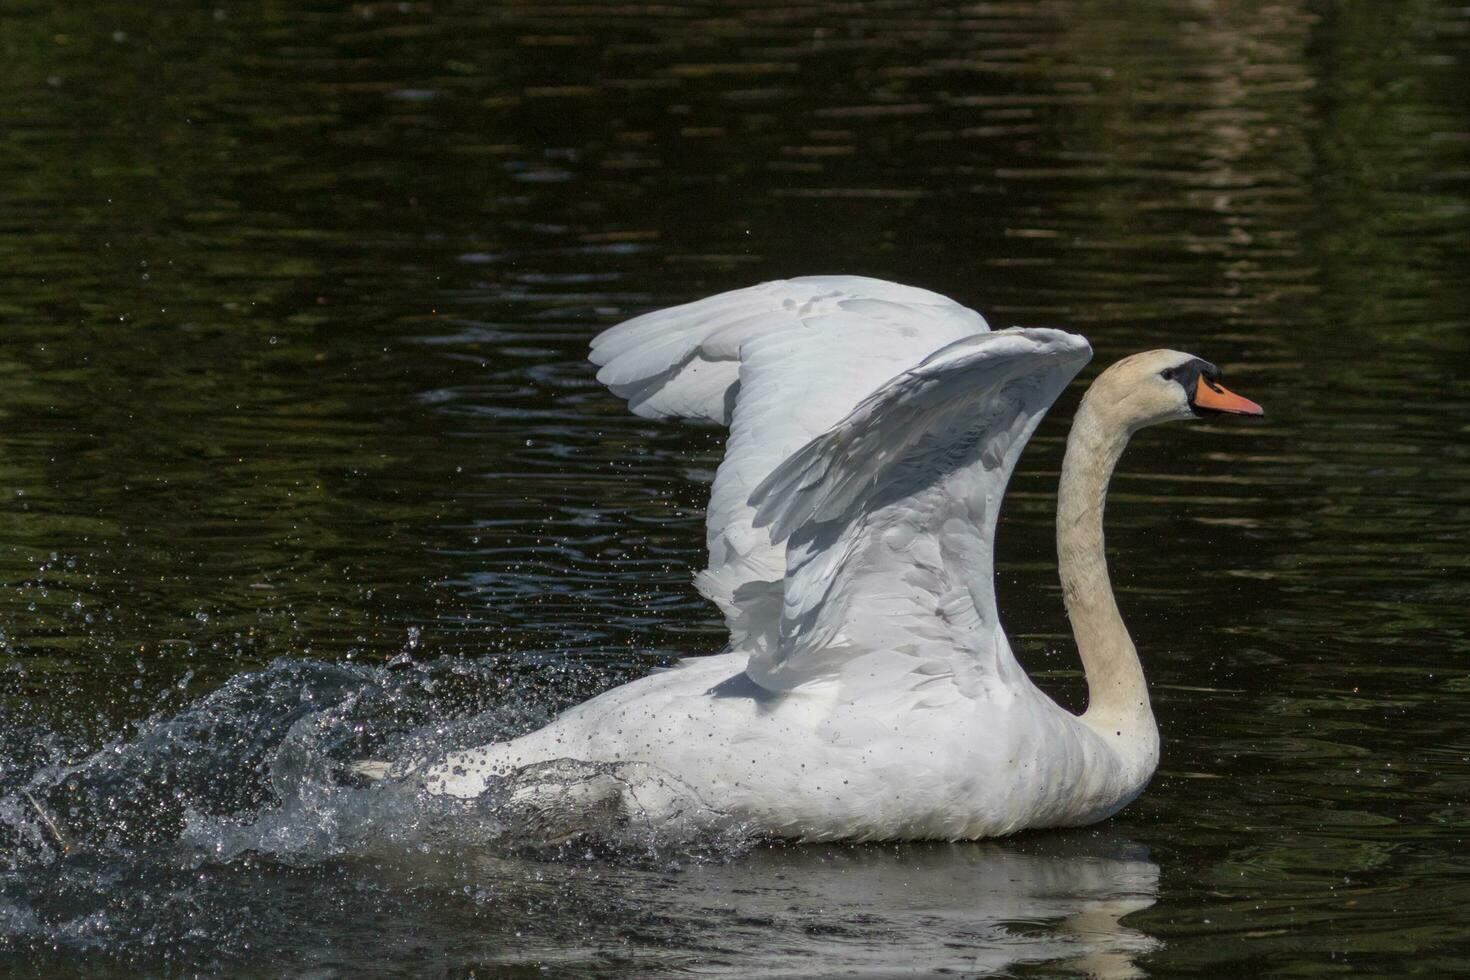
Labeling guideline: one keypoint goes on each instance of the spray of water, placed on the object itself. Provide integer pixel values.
(136, 846)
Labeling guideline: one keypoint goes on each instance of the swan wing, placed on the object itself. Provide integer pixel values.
(888, 518)
(780, 363)
(684, 361)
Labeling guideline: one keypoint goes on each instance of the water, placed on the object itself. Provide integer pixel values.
(294, 307)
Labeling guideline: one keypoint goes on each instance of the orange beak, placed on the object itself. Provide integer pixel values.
(1215, 397)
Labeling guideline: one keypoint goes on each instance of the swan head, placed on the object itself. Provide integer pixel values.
(1164, 386)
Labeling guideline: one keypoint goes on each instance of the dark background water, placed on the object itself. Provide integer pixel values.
(294, 303)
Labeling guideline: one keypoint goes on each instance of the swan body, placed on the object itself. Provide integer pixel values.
(869, 692)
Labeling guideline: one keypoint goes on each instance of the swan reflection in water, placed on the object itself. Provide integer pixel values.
(797, 910)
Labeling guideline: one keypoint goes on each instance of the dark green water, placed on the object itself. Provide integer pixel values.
(294, 300)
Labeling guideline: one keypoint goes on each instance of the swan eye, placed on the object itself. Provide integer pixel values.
(1167, 374)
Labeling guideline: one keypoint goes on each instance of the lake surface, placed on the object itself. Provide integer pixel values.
(300, 461)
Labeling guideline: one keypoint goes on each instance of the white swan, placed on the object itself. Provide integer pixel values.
(868, 692)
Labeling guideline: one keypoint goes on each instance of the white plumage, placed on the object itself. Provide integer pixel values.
(868, 691)
(780, 363)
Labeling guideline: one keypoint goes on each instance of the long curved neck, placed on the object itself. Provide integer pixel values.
(1117, 695)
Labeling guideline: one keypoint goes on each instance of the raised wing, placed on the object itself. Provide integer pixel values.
(780, 363)
(889, 521)
(684, 362)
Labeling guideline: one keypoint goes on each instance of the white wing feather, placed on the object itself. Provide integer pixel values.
(889, 521)
(780, 363)
(652, 360)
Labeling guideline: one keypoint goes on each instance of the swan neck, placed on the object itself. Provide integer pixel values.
(1117, 695)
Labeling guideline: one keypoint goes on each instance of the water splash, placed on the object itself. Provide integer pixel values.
(137, 848)
(265, 764)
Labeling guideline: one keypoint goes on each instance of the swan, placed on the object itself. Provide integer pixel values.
(868, 691)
